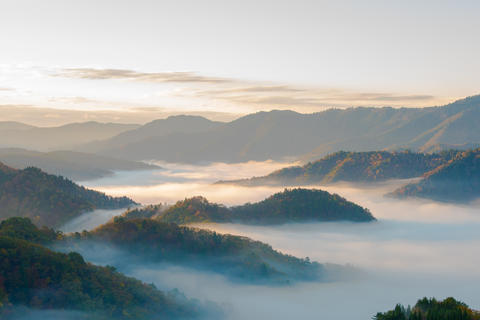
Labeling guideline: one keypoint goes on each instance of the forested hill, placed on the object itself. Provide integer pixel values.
(301, 205)
(38, 278)
(431, 309)
(289, 206)
(353, 167)
(238, 258)
(458, 180)
(47, 199)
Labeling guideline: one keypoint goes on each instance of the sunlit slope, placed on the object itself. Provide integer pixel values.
(458, 180)
(431, 309)
(353, 167)
(289, 206)
(287, 134)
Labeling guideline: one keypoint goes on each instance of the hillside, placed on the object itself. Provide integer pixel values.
(66, 137)
(36, 277)
(182, 124)
(77, 166)
(193, 210)
(238, 258)
(14, 125)
(262, 136)
(456, 181)
(353, 167)
(47, 199)
(289, 206)
(431, 309)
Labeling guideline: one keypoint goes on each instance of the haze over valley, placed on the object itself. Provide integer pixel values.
(232, 160)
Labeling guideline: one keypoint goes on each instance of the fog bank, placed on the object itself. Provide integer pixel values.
(416, 248)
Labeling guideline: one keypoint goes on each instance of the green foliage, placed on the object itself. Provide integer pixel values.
(196, 209)
(149, 211)
(23, 228)
(291, 205)
(458, 180)
(431, 309)
(47, 199)
(37, 277)
(238, 258)
(355, 167)
(296, 205)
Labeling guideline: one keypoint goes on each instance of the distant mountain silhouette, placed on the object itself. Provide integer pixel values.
(13, 125)
(18, 135)
(287, 134)
(456, 181)
(73, 165)
(182, 124)
(46, 199)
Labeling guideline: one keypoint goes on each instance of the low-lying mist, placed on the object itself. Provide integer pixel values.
(90, 220)
(416, 248)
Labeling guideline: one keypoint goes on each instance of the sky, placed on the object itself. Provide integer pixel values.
(131, 61)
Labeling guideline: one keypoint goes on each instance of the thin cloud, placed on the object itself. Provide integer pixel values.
(254, 89)
(74, 100)
(286, 96)
(241, 96)
(161, 77)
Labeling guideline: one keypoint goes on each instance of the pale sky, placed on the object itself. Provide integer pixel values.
(227, 58)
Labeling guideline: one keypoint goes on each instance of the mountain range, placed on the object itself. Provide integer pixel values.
(73, 165)
(277, 135)
(283, 135)
(19, 135)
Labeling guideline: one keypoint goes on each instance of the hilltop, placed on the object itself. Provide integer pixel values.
(431, 309)
(289, 206)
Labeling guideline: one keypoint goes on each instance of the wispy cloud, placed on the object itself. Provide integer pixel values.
(193, 91)
(248, 93)
(311, 98)
(162, 77)
(74, 100)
